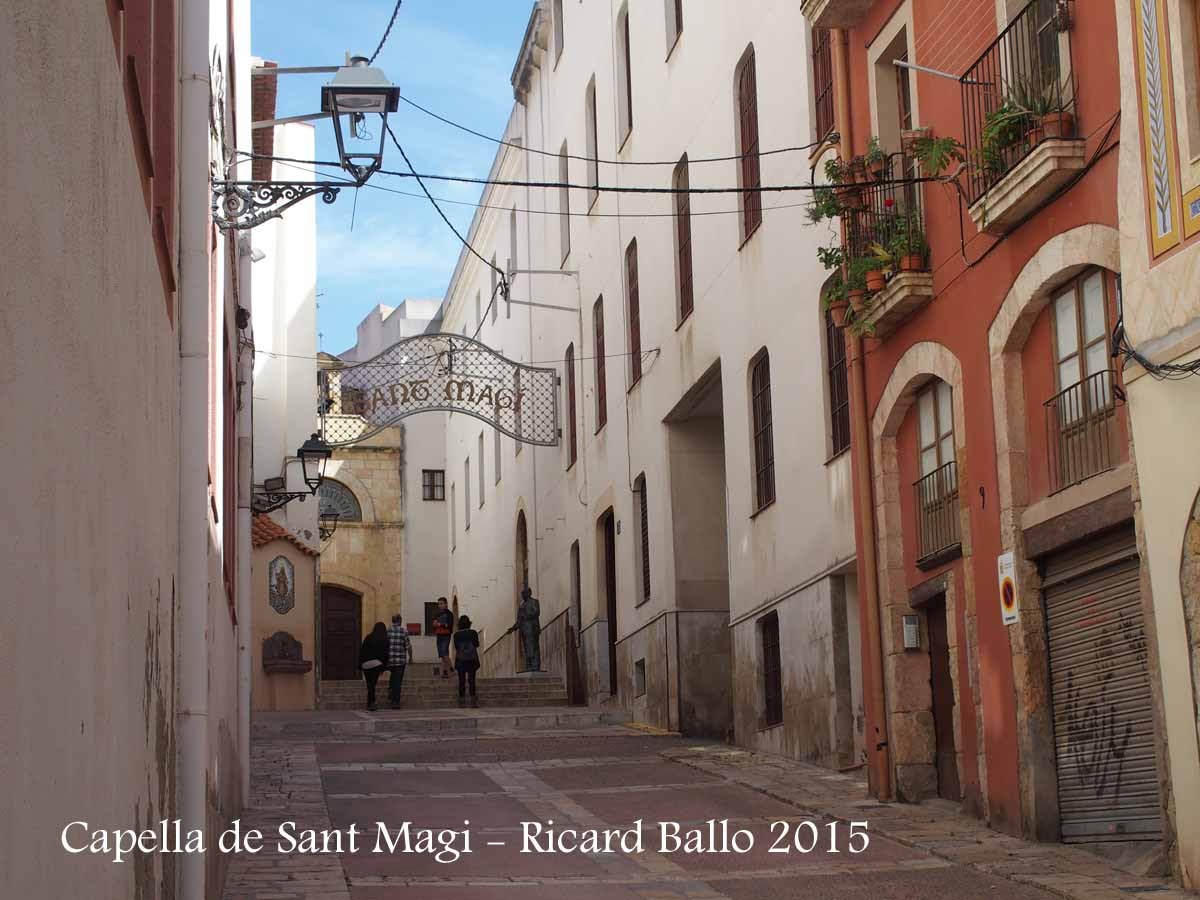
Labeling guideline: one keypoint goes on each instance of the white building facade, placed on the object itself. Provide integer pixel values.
(691, 539)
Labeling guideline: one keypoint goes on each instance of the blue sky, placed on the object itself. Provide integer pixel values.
(451, 56)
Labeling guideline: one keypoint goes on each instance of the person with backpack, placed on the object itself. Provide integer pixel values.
(372, 659)
(466, 659)
(443, 625)
(399, 656)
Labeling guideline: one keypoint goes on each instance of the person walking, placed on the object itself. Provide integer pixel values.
(372, 659)
(443, 625)
(399, 656)
(466, 659)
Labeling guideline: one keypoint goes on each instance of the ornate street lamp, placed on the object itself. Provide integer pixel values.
(357, 91)
(327, 524)
(314, 456)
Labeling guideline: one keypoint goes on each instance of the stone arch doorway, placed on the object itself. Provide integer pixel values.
(341, 616)
(521, 558)
(927, 688)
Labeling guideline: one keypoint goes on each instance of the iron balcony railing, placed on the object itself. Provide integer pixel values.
(936, 497)
(1080, 430)
(1018, 93)
(886, 205)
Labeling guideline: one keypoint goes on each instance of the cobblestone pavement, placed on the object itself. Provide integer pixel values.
(610, 776)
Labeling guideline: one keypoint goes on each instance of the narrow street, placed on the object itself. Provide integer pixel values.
(588, 769)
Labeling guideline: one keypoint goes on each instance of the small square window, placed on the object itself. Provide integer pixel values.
(433, 484)
(639, 678)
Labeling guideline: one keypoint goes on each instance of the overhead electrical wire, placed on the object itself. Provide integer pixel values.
(301, 165)
(601, 188)
(606, 162)
(386, 33)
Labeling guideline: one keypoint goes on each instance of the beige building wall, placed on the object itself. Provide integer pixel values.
(1160, 269)
(366, 557)
(717, 566)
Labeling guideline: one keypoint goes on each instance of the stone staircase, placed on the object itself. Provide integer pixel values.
(422, 690)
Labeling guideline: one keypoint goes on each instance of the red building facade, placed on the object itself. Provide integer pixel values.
(978, 138)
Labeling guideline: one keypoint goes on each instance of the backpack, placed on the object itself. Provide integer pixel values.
(467, 652)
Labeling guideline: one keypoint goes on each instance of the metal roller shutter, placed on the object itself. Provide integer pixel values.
(1103, 711)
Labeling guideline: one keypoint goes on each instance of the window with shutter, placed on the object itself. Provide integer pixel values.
(564, 204)
(683, 238)
(644, 528)
(635, 319)
(764, 440)
(748, 146)
(822, 64)
(572, 442)
(836, 383)
(601, 384)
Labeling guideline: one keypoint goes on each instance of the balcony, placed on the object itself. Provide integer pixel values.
(834, 13)
(1019, 114)
(885, 224)
(1081, 430)
(936, 499)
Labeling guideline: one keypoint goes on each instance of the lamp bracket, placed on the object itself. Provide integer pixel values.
(238, 205)
(267, 501)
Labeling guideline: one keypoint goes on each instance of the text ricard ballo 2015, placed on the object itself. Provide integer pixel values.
(447, 845)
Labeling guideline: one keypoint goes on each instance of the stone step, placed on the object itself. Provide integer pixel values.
(348, 723)
(445, 703)
(437, 693)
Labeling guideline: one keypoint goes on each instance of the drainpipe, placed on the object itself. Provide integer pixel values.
(191, 706)
(245, 630)
(868, 567)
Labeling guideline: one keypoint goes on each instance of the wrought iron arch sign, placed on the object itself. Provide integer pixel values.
(439, 373)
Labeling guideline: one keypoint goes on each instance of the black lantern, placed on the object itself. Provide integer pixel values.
(356, 91)
(327, 524)
(314, 455)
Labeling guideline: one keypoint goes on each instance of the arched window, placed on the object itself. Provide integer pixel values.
(747, 98)
(521, 542)
(764, 439)
(335, 497)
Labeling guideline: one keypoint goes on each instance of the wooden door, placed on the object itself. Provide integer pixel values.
(610, 594)
(943, 700)
(341, 617)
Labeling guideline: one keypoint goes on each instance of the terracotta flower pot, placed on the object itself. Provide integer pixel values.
(837, 311)
(875, 281)
(857, 300)
(1058, 124)
(912, 262)
(1035, 135)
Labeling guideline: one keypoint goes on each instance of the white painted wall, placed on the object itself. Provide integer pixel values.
(763, 294)
(284, 314)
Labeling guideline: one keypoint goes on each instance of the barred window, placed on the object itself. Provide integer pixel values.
(683, 237)
(839, 391)
(822, 64)
(433, 484)
(747, 90)
(644, 533)
(772, 669)
(764, 440)
(601, 383)
(572, 426)
(635, 319)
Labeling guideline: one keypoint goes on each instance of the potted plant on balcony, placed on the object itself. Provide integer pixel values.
(1003, 128)
(833, 298)
(1048, 103)
(935, 154)
(885, 265)
(876, 158)
(856, 283)
(909, 246)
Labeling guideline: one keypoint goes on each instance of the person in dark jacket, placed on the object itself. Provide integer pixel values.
(372, 659)
(466, 659)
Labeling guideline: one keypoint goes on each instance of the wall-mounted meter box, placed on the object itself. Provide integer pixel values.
(912, 632)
